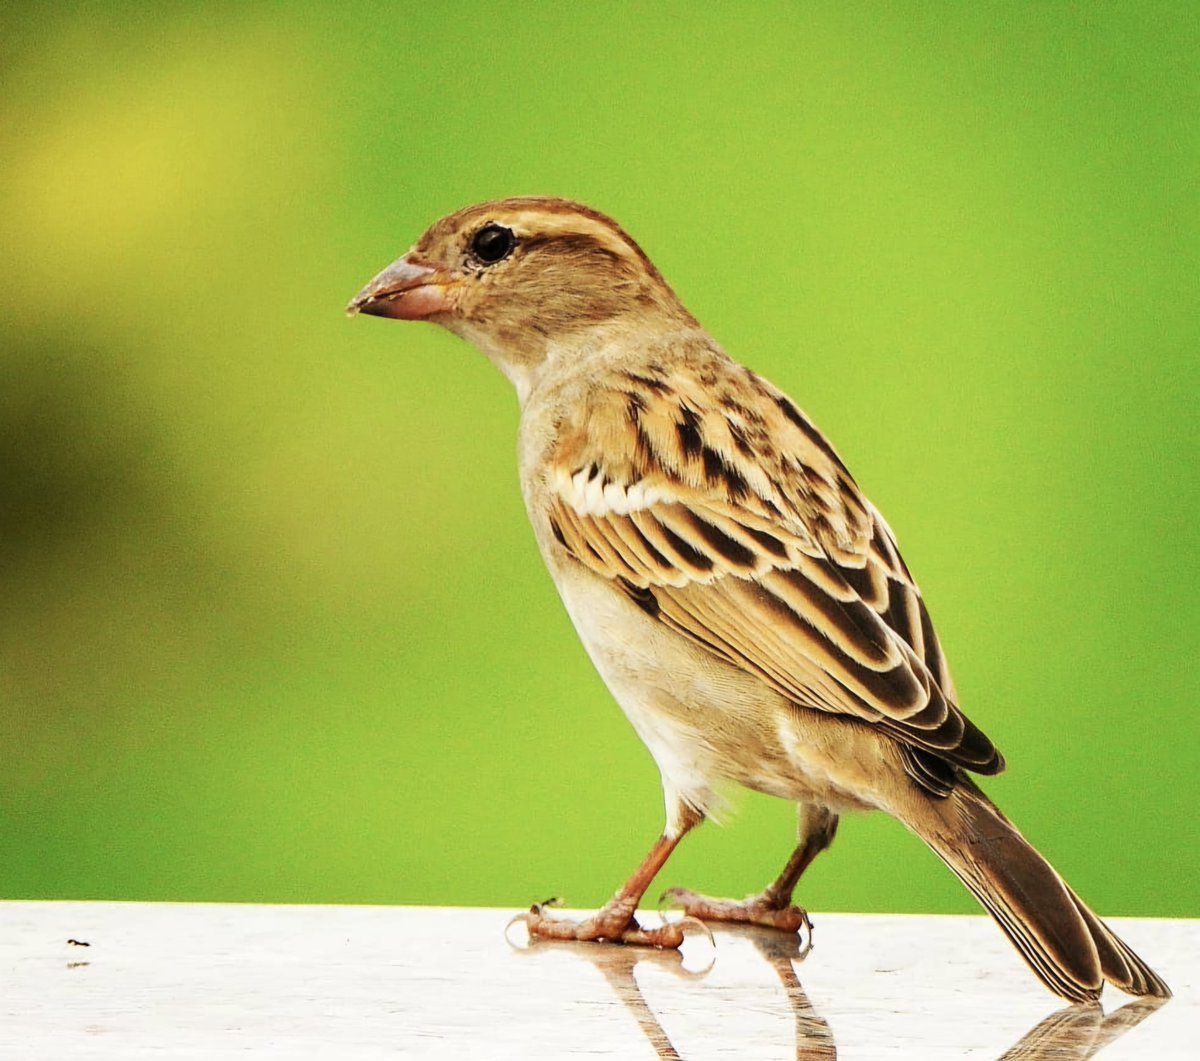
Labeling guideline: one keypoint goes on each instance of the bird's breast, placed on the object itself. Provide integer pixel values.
(705, 721)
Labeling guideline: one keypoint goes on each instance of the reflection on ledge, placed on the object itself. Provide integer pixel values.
(1074, 1033)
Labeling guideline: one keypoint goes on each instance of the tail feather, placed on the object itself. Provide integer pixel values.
(1066, 945)
(1121, 967)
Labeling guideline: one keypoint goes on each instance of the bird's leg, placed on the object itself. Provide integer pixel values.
(615, 921)
(773, 908)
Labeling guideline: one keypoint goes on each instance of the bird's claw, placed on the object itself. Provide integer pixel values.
(611, 926)
(756, 910)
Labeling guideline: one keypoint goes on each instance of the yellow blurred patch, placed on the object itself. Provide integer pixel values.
(108, 181)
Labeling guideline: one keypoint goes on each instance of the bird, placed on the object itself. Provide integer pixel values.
(744, 602)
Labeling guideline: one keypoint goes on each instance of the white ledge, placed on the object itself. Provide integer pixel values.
(220, 981)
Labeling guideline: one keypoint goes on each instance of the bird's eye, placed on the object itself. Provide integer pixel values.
(492, 243)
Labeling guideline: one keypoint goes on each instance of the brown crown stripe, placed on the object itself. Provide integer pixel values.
(531, 208)
(573, 243)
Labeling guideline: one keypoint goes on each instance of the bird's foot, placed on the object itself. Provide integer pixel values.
(614, 923)
(756, 910)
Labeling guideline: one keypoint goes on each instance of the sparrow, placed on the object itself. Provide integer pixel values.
(744, 602)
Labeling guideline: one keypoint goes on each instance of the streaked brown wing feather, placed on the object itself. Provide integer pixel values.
(745, 533)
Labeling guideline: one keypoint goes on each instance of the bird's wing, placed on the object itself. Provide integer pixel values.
(709, 499)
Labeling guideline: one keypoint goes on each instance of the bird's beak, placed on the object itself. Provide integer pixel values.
(407, 290)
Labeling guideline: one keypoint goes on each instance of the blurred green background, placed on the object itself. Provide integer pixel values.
(272, 625)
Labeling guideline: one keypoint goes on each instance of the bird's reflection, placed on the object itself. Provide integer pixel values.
(781, 951)
(814, 1040)
(1075, 1033)
(619, 974)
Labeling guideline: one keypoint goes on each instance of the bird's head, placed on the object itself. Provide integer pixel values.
(522, 278)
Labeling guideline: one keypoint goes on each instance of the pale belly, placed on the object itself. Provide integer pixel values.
(705, 721)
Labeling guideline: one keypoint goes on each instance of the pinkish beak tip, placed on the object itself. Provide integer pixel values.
(405, 290)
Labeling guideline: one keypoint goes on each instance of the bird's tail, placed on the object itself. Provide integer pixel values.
(1069, 948)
